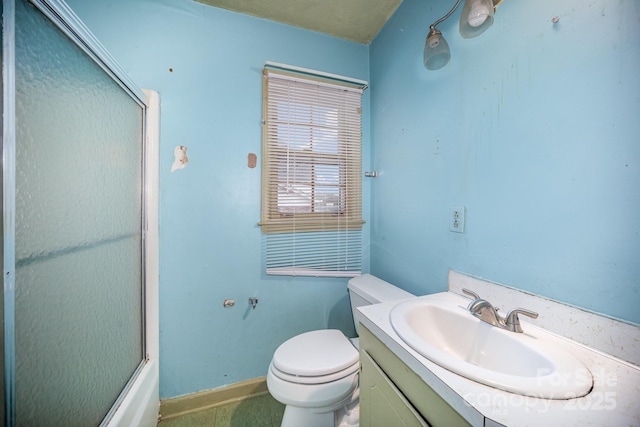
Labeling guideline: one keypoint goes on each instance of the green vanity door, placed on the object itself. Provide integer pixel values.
(381, 403)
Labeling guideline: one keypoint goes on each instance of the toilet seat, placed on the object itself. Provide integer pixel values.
(315, 357)
(317, 379)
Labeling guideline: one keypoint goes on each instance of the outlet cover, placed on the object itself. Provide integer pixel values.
(456, 223)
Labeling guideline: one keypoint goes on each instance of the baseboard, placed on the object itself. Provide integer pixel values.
(174, 407)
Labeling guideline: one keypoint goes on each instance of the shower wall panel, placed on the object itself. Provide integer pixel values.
(78, 309)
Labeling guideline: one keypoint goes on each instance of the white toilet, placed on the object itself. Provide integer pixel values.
(315, 374)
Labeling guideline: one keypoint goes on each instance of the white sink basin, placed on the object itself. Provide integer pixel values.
(440, 328)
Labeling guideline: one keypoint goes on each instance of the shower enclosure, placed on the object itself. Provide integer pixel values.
(79, 227)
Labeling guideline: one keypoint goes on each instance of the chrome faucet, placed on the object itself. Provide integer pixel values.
(512, 321)
(485, 311)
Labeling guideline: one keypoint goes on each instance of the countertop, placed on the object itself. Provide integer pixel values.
(614, 400)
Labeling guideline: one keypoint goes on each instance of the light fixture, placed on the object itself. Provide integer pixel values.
(436, 48)
(476, 17)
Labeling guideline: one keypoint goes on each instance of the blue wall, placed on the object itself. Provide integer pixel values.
(534, 128)
(210, 245)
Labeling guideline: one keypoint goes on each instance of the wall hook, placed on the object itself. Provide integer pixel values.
(253, 301)
(372, 174)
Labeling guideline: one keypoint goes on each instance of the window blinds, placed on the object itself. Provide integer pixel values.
(311, 175)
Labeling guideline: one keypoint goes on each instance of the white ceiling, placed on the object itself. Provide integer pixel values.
(354, 20)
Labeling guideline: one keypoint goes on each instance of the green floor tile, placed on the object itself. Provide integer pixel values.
(260, 411)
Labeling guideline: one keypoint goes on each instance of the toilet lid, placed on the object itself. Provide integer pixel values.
(315, 353)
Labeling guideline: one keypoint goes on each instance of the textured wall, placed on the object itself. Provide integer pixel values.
(206, 64)
(533, 126)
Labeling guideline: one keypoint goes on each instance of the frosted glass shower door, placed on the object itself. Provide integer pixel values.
(79, 314)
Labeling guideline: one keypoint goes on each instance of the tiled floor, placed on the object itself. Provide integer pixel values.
(260, 411)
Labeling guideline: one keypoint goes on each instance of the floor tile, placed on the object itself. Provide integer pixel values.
(260, 411)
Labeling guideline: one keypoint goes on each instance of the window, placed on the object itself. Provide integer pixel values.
(311, 173)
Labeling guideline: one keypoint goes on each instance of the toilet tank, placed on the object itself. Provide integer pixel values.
(368, 289)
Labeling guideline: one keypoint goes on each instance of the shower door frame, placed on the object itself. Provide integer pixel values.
(138, 403)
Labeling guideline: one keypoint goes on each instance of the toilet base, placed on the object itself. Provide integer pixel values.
(349, 415)
(296, 417)
(345, 414)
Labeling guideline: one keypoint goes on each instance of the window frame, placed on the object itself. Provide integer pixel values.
(350, 172)
(318, 240)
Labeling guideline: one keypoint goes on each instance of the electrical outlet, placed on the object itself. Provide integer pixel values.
(457, 220)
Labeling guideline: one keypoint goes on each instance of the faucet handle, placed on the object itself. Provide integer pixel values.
(471, 293)
(512, 320)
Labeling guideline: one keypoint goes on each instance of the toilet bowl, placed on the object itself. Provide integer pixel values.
(315, 374)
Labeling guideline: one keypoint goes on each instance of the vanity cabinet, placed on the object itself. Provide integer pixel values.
(381, 403)
(391, 394)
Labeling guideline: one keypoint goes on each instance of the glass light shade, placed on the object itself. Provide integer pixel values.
(436, 51)
(476, 17)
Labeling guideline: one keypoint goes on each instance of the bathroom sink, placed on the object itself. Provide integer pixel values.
(440, 328)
